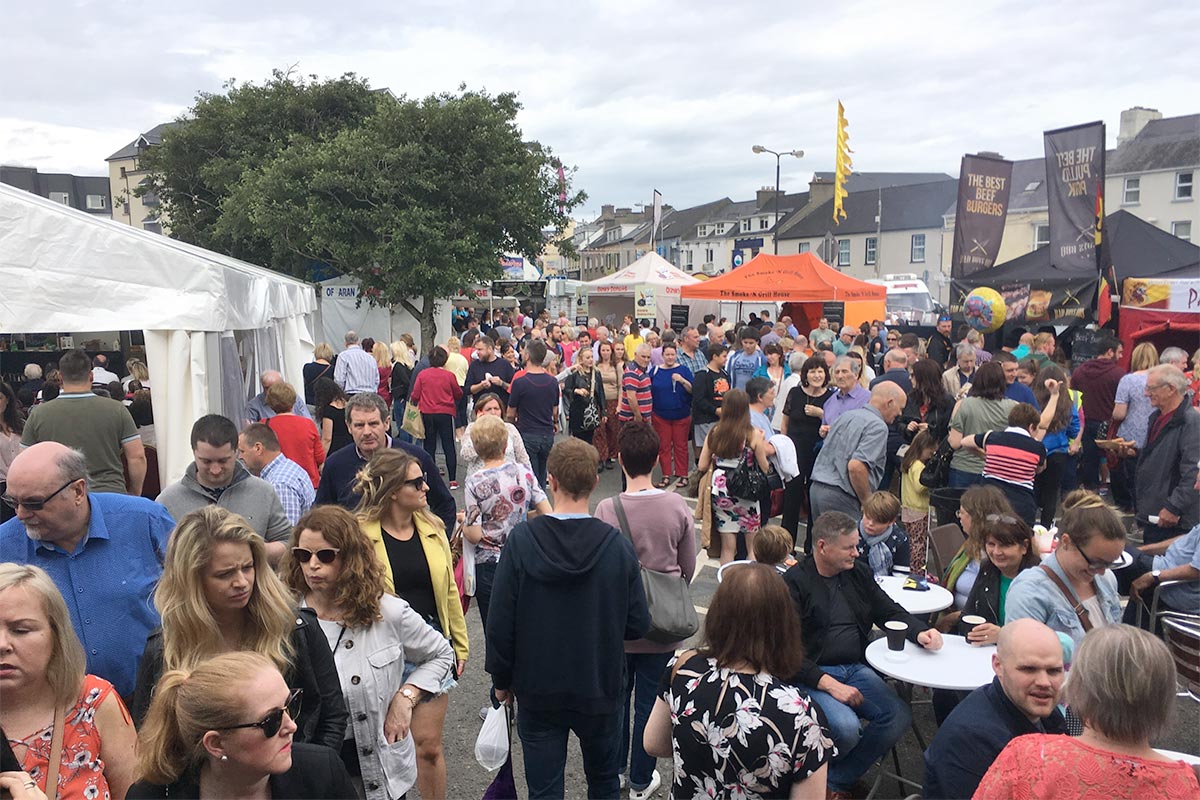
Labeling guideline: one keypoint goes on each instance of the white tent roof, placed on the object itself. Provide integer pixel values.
(66, 270)
(650, 268)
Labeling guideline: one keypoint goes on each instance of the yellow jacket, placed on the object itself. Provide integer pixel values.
(441, 573)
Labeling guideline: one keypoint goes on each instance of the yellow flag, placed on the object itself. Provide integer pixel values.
(842, 165)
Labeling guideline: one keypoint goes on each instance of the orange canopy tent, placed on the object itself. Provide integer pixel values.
(803, 281)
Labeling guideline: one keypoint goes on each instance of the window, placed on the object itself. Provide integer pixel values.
(1183, 186)
(612, 235)
(918, 248)
(1032, 186)
(152, 226)
(61, 197)
(764, 223)
(690, 254)
(96, 202)
(843, 252)
(1041, 236)
(1182, 229)
(702, 231)
(805, 247)
(746, 225)
(720, 228)
(708, 256)
(1133, 191)
(871, 248)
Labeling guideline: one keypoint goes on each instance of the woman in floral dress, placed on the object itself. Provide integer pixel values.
(730, 441)
(725, 715)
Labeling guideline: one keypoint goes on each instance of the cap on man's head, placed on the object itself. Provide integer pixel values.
(944, 318)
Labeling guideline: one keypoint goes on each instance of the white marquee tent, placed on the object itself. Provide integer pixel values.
(211, 322)
(650, 269)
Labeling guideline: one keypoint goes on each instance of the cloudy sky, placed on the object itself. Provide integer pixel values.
(637, 95)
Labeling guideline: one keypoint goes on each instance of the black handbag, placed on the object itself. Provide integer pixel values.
(746, 481)
(937, 469)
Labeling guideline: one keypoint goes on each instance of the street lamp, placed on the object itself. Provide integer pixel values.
(758, 149)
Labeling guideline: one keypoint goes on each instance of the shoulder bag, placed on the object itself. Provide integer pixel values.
(937, 469)
(747, 481)
(1080, 611)
(672, 614)
(591, 412)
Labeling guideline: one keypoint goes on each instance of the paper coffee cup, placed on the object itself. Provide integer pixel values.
(895, 631)
(969, 622)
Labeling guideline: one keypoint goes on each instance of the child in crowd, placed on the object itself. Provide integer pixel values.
(882, 543)
(914, 498)
(1027, 370)
(773, 546)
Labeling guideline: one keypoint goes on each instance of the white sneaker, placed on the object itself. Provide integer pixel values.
(655, 782)
(623, 779)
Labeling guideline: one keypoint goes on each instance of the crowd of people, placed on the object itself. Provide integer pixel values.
(288, 618)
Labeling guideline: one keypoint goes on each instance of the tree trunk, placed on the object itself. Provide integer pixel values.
(428, 326)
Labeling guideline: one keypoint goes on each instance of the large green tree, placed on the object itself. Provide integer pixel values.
(417, 199)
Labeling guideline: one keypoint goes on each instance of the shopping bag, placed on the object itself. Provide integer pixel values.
(503, 786)
(413, 424)
(492, 744)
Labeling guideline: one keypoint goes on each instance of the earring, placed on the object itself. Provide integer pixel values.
(224, 758)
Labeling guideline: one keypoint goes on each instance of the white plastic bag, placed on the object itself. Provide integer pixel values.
(468, 564)
(491, 748)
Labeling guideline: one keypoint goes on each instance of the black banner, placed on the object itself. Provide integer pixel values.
(983, 190)
(835, 312)
(679, 317)
(1058, 302)
(1074, 178)
(519, 289)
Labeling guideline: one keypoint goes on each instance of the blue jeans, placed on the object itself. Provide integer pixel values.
(643, 671)
(398, 420)
(544, 742)
(886, 714)
(538, 446)
(962, 480)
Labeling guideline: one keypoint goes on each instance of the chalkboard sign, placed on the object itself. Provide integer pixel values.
(835, 312)
(1087, 343)
(679, 317)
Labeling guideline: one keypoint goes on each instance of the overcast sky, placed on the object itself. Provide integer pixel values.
(667, 95)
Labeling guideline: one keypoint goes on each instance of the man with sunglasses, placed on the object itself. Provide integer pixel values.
(103, 551)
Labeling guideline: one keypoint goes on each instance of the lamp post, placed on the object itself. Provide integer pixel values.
(758, 148)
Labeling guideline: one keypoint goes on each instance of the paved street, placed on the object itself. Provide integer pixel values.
(466, 779)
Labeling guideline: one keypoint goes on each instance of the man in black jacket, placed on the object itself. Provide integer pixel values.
(567, 595)
(838, 601)
(1021, 699)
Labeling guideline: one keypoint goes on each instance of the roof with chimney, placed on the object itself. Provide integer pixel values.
(906, 207)
(144, 140)
(1162, 144)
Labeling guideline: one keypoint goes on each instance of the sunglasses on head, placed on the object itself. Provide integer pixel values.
(325, 555)
(34, 505)
(271, 723)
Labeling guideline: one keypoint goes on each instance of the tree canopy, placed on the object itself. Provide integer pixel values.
(414, 198)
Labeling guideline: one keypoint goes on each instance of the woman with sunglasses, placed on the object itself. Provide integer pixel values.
(388, 659)
(218, 594)
(226, 728)
(1074, 590)
(411, 544)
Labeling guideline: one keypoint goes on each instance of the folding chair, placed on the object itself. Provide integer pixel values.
(1182, 634)
(944, 542)
(1155, 614)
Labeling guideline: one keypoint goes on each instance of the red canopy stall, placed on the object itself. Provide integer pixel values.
(1164, 311)
(807, 286)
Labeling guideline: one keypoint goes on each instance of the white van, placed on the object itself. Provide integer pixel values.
(908, 300)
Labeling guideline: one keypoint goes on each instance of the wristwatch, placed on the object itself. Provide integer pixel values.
(1156, 574)
(410, 695)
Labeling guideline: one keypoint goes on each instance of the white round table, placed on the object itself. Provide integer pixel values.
(958, 665)
(936, 599)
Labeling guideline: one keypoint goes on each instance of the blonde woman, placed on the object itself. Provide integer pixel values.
(320, 367)
(137, 372)
(226, 728)
(383, 360)
(399, 661)
(46, 695)
(218, 594)
(411, 543)
(457, 363)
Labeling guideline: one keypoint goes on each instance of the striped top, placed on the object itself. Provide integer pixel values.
(1012, 456)
(636, 380)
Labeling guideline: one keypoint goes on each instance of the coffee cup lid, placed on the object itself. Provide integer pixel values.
(896, 625)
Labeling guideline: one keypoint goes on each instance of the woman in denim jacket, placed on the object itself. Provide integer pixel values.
(1091, 538)
(388, 658)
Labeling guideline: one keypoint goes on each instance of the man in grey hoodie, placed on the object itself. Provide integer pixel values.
(217, 477)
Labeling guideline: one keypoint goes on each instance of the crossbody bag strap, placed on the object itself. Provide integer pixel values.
(56, 748)
(1081, 612)
(622, 520)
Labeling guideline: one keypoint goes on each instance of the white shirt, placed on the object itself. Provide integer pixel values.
(356, 371)
(101, 375)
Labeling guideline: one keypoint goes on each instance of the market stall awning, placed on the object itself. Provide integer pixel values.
(802, 278)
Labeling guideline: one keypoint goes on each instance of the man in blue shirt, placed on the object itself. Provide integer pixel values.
(1016, 390)
(257, 409)
(368, 419)
(1021, 699)
(103, 551)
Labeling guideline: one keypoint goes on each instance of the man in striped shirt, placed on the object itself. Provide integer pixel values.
(1013, 457)
(635, 387)
(356, 370)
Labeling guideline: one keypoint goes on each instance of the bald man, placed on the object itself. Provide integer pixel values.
(103, 551)
(257, 409)
(1021, 699)
(851, 462)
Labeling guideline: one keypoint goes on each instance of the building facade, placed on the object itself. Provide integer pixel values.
(82, 192)
(125, 177)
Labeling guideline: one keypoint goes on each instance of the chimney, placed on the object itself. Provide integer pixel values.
(606, 212)
(764, 195)
(1133, 120)
(819, 191)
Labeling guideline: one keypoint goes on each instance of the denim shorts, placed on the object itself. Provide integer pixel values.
(409, 667)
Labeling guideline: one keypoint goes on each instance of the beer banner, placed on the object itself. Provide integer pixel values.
(1074, 181)
(983, 191)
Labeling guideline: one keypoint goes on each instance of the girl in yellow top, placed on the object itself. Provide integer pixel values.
(914, 498)
(412, 545)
